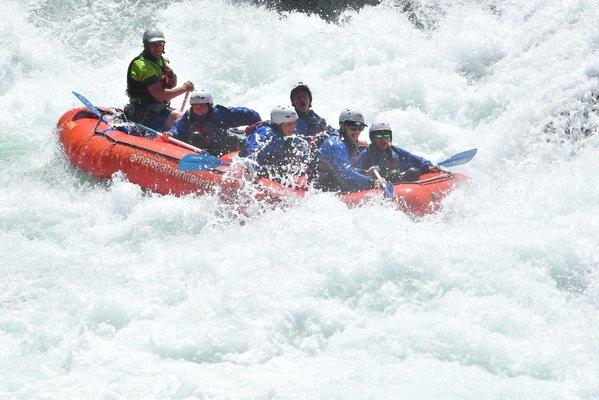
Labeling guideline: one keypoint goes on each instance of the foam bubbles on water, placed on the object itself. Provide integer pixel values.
(114, 292)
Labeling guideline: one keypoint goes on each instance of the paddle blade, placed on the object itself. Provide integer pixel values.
(458, 159)
(89, 105)
(388, 190)
(200, 162)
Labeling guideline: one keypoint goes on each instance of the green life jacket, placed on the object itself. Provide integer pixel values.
(144, 71)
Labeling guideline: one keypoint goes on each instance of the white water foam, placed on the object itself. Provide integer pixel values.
(109, 292)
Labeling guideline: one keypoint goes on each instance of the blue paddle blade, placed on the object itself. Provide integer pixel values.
(389, 190)
(89, 105)
(458, 159)
(200, 162)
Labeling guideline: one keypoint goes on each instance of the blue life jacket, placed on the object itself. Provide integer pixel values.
(393, 158)
(209, 131)
(341, 156)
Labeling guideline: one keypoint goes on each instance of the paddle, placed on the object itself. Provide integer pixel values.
(91, 107)
(458, 159)
(154, 132)
(192, 162)
(184, 101)
(388, 188)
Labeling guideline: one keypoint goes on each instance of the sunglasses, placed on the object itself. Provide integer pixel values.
(355, 127)
(382, 134)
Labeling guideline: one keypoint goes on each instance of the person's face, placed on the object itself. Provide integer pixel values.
(352, 131)
(381, 141)
(200, 109)
(287, 128)
(301, 100)
(156, 49)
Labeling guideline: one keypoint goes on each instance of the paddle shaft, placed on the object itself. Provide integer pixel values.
(182, 144)
(184, 101)
(386, 186)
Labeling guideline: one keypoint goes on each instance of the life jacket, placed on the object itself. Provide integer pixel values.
(372, 157)
(308, 123)
(137, 90)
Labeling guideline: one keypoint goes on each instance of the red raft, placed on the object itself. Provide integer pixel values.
(92, 146)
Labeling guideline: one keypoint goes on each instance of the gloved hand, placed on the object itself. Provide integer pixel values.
(411, 175)
(380, 182)
(370, 171)
(394, 175)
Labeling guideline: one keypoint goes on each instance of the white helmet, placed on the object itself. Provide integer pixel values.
(153, 35)
(351, 115)
(379, 126)
(201, 97)
(281, 114)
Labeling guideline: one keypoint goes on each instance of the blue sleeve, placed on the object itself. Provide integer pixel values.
(261, 144)
(336, 154)
(363, 162)
(243, 116)
(407, 160)
(234, 117)
(254, 142)
(180, 127)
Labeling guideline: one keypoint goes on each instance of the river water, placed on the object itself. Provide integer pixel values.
(109, 292)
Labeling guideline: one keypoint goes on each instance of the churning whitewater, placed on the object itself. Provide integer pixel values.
(110, 292)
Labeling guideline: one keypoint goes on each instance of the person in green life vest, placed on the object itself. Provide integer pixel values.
(151, 84)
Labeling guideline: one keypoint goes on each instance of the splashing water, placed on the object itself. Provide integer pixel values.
(110, 292)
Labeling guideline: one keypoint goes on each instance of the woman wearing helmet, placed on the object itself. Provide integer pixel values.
(151, 84)
(205, 125)
(338, 161)
(394, 163)
(274, 146)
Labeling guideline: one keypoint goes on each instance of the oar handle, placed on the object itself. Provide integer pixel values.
(184, 101)
(386, 186)
(378, 175)
(182, 144)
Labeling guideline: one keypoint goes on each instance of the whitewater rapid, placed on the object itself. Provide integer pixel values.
(110, 292)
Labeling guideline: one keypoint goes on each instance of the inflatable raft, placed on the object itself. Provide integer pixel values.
(99, 149)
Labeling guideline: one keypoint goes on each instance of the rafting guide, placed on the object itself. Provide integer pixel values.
(152, 84)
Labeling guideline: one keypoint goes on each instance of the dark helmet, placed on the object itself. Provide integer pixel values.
(300, 86)
(153, 35)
